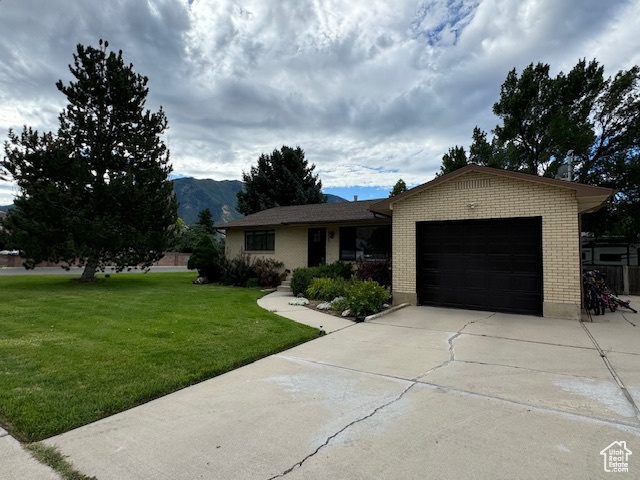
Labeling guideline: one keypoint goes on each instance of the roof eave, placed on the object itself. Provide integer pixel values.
(592, 203)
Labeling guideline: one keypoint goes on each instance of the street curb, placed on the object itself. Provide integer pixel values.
(386, 312)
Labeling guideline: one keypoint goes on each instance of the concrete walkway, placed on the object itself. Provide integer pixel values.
(420, 393)
(17, 464)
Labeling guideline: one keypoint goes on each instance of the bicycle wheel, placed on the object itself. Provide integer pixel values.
(624, 304)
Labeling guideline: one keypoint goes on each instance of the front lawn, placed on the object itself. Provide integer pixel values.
(73, 353)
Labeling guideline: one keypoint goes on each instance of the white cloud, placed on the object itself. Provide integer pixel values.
(372, 90)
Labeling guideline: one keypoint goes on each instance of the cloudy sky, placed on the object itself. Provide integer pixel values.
(372, 90)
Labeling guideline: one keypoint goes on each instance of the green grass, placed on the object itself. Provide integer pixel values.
(73, 353)
(53, 458)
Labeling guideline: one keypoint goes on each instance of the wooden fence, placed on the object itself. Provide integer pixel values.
(625, 279)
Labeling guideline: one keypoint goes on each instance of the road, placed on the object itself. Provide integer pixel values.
(9, 271)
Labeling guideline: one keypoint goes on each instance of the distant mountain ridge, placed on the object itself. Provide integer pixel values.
(219, 196)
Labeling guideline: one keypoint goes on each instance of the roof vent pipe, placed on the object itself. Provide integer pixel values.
(355, 198)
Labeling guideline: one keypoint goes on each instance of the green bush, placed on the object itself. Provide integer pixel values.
(335, 270)
(367, 298)
(327, 288)
(238, 271)
(269, 272)
(252, 283)
(208, 258)
(302, 278)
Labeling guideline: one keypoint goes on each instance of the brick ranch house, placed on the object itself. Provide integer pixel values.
(477, 238)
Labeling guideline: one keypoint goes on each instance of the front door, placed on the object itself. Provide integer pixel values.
(317, 252)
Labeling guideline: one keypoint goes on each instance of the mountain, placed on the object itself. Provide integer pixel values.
(334, 198)
(219, 196)
(194, 195)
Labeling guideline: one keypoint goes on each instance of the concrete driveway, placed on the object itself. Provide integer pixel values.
(421, 393)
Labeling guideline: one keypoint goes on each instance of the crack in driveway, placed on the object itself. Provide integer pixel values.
(331, 437)
(452, 351)
(414, 382)
(451, 359)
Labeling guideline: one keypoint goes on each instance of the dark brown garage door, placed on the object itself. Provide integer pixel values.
(493, 265)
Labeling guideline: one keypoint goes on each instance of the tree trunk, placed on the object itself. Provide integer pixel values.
(89, 273)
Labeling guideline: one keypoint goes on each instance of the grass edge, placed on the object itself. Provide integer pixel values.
(51, 457)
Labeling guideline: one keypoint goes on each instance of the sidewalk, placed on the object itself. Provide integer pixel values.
(278, 302)
(18, 464)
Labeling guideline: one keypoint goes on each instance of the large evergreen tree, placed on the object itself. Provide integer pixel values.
(398, 188)
(454, 159)
(97, 192)
(205, 219)
(281, 179)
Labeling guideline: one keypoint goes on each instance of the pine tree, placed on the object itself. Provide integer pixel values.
(205, 218)
(281, 179)
(398, 188)
(96, 193)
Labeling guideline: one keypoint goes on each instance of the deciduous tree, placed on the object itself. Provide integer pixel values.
(544, 117)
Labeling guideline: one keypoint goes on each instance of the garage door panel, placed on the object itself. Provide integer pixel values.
(524, 264)
(498, 263)
(452, 248)
(524, 283)
(499, 281)
(474, 262)
(474, 278)
(430, 261)
(481, 264)
(450, 263)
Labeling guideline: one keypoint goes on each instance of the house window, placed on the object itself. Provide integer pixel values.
(260, 240)
(610, 257)
(365, 243)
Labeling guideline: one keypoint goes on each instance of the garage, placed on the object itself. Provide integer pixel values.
(491, 264)
(489, 239)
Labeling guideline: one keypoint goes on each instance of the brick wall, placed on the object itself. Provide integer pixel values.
(497, 197)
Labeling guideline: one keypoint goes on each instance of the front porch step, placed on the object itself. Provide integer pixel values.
(285, 286)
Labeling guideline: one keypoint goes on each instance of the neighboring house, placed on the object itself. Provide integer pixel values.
(478, 238)
(609, 251)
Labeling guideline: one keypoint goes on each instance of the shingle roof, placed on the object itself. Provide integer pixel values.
(590, 198)
(342, 212)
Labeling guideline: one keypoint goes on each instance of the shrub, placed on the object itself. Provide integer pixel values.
(367, 298)
(238, 271)
(301, 279)
(208, 258)
(327, 288)
(340, 304)
(375, 270)
(269, 272)
(336, 270)
(252, 283)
